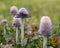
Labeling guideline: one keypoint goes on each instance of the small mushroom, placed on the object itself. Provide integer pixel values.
(22, 13)
(45, 29)
(16, 23)
(4, 22)
(45, 26)
(13, 10)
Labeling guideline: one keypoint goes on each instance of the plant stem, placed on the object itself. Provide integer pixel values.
(16, 35)
(50, 47)
(44, 41)
(4, 31)
(22, 30)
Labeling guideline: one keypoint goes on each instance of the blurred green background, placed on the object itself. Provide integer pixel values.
(36, 8)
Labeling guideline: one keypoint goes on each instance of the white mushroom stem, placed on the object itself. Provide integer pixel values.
(44, 41)
(22, 30)
(4, 31)
(50, 47)
(16, 35)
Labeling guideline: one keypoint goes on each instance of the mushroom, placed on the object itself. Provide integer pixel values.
(45, 29)
(13, 10)
(16, 23)
(4, 22)
(22, 13)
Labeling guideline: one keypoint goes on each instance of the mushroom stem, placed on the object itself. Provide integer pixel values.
(22, 30)
(16, 35)
(50, 47)
(4, 31)
(44, 41)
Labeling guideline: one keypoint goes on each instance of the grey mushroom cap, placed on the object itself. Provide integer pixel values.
(45, 26)
(22, 13)
(16, 22)
(13, 10)
(4, 22)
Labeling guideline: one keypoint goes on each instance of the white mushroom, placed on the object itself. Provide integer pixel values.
(45, 29)
(13, 10)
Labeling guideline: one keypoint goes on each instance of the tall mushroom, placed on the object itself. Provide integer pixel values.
(45, 29)
(16, 23)
(22, 13)
(4, 22)
(13, 10)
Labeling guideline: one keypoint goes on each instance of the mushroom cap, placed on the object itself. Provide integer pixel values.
(45, 26)
(13, 10)
(16, 22)
(22, 13)
(4, 22)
